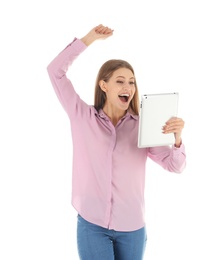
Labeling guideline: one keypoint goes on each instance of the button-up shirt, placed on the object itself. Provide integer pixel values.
(108, 175)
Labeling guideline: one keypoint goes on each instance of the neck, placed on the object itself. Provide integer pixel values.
(114, 115)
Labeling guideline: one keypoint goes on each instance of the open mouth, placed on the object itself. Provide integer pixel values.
(124, 97)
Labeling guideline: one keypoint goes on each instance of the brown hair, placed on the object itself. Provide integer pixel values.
(105, 73)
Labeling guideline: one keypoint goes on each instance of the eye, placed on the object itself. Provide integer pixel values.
(120, 81)
(132, 83)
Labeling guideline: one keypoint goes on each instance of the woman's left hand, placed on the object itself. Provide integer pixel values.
(174, 125)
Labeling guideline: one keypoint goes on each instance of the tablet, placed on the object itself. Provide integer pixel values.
(155, 110)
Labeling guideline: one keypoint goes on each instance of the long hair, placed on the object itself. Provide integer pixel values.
(105, 73)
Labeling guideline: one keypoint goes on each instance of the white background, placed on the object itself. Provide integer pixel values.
(174, 46)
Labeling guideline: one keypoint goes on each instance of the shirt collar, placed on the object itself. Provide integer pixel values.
(105, 117)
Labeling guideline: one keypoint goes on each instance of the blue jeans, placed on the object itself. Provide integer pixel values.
(98, 243)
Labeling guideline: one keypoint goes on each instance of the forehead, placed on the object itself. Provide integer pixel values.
(123, 72)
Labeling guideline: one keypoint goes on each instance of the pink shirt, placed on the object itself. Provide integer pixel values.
(108, 168)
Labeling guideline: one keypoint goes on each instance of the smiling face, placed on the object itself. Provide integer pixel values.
(119, 90)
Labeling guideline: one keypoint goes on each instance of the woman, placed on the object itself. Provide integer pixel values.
(108, 167)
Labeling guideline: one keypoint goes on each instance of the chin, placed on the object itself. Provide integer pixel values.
(125, 107)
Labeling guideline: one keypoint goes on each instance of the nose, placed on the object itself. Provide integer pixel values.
(126, 86)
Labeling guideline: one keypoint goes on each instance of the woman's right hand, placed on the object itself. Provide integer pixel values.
(98, 32)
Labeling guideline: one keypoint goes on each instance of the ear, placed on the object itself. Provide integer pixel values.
(102, 85)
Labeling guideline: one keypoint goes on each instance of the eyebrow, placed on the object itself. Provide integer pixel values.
(124, 77)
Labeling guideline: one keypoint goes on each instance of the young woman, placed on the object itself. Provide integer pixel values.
(108, 167)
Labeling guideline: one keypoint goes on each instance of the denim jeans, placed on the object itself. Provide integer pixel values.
(98, 243)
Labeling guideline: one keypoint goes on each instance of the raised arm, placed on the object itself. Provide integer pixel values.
(57, 69)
